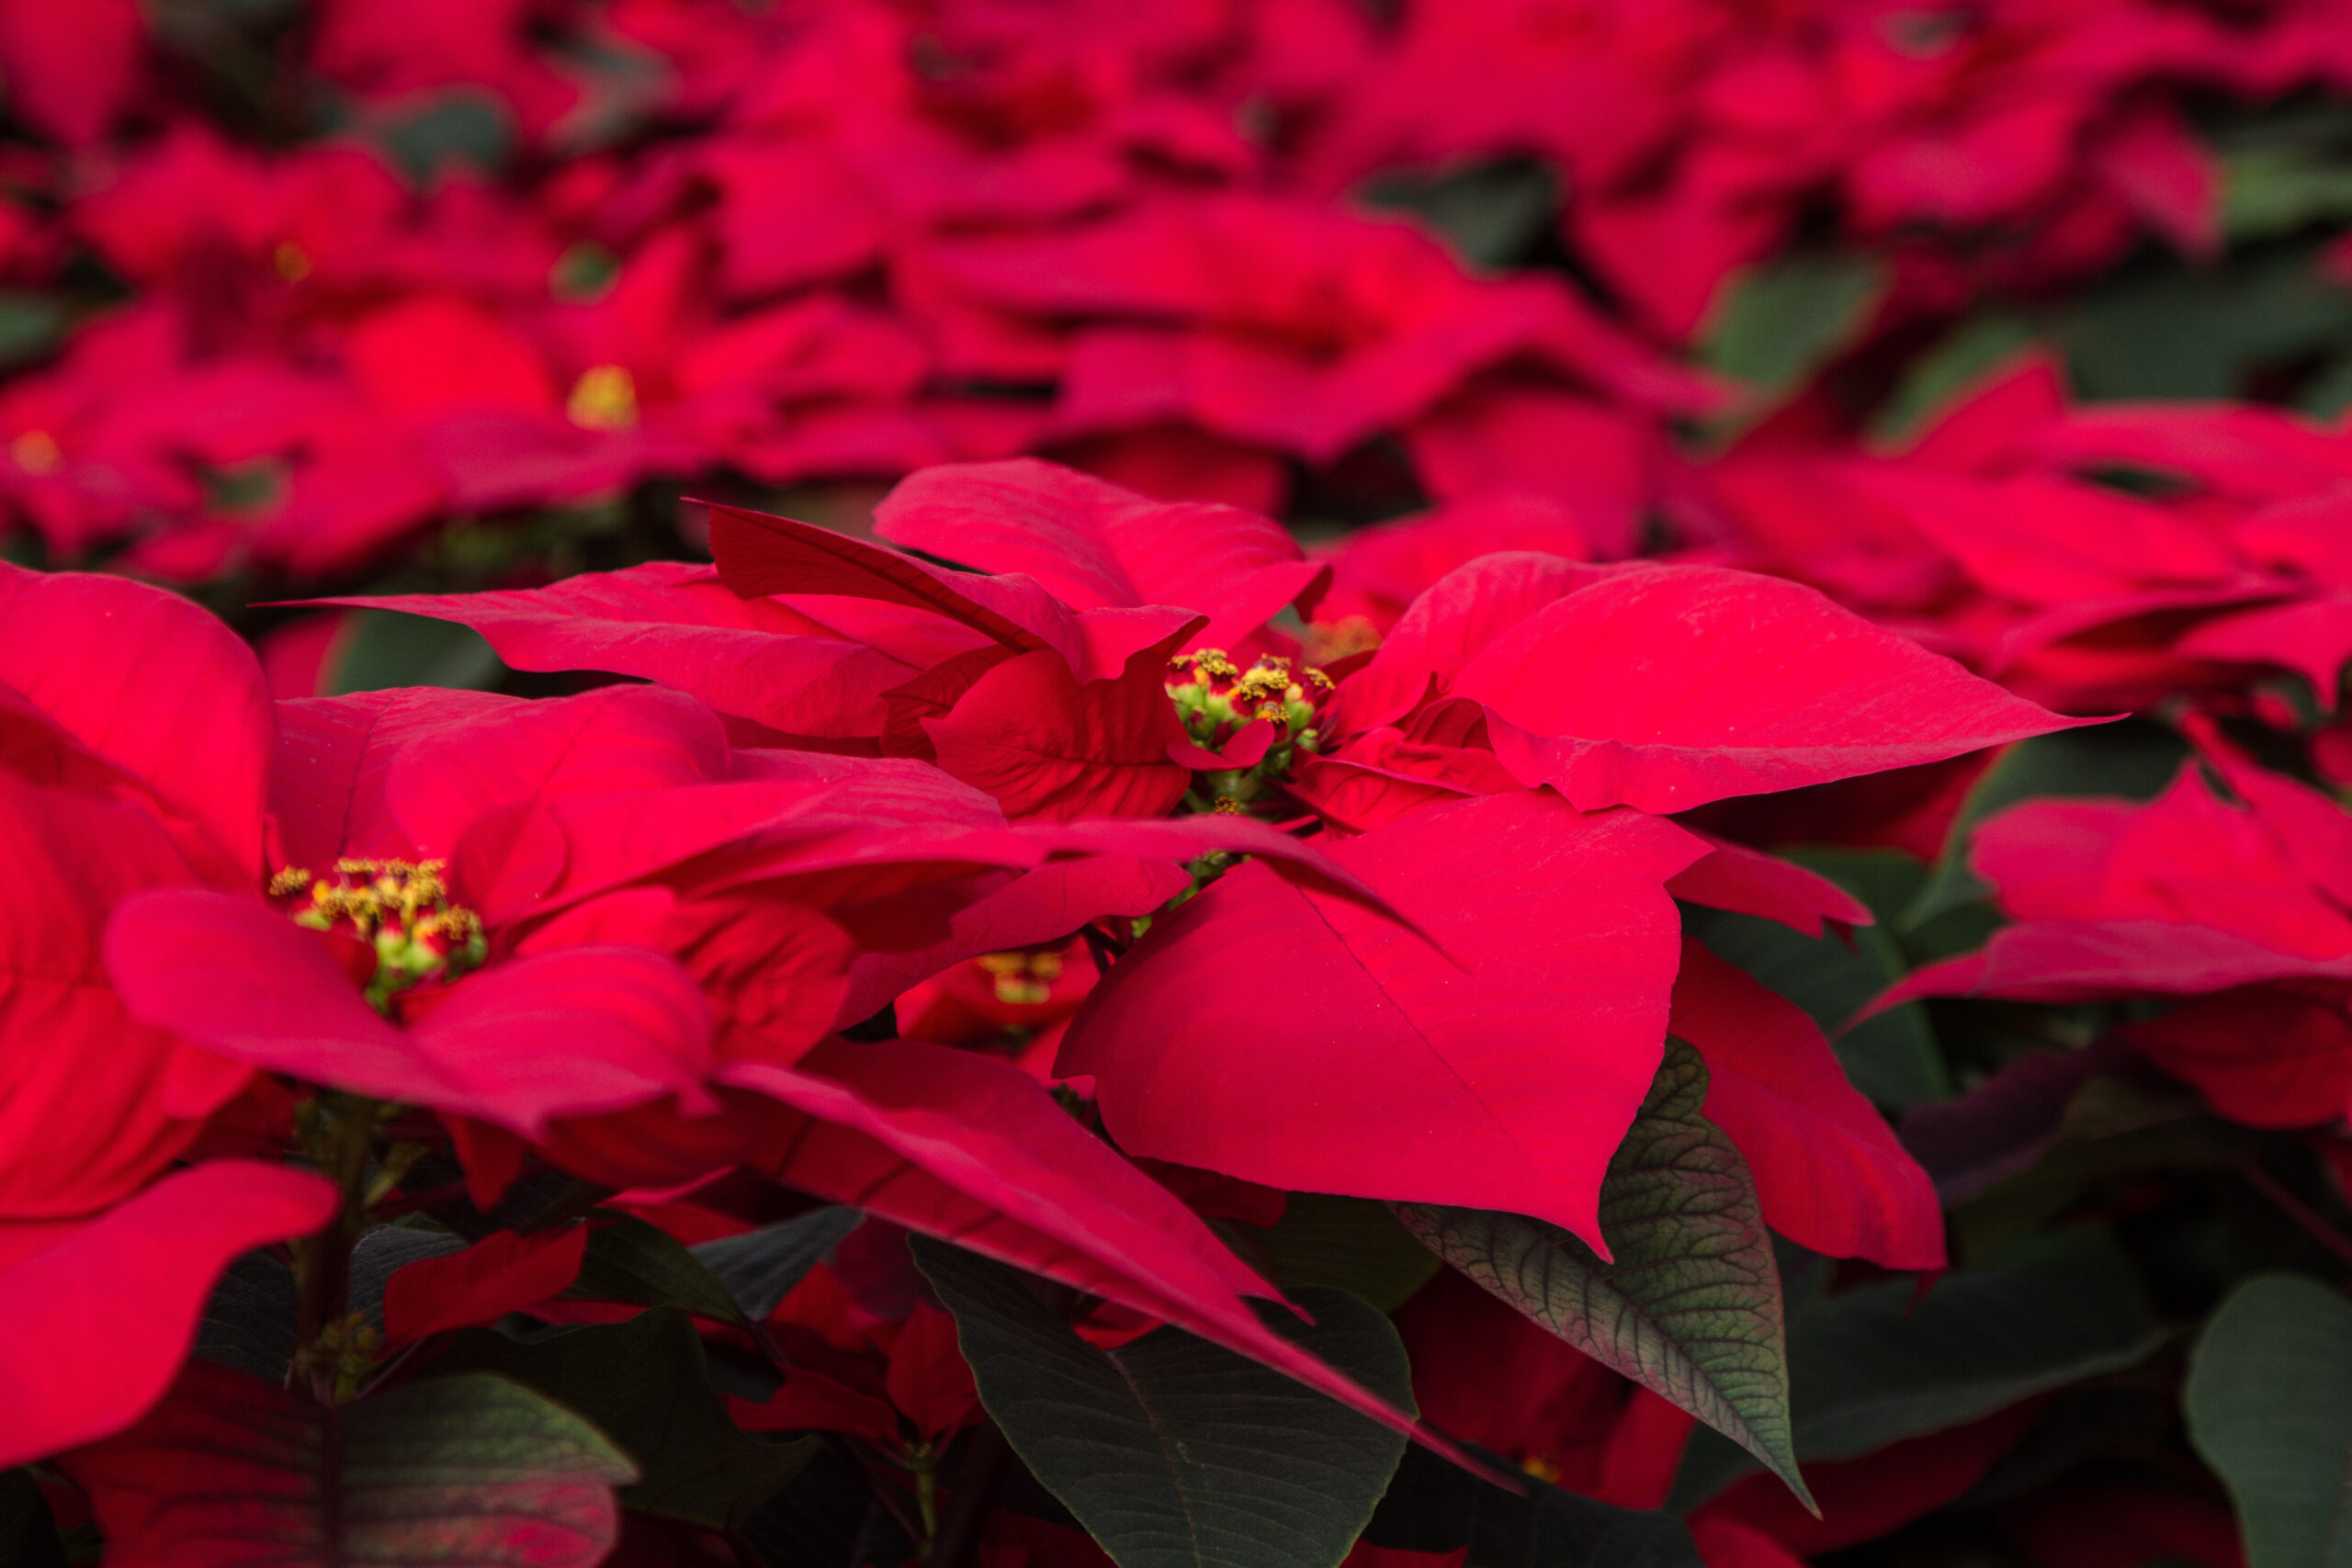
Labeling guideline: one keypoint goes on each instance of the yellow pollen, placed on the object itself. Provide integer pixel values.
(1025, 979)
(35, 452)
(292, 262)
(605, 397)
(292, 880)
(1539, 1466)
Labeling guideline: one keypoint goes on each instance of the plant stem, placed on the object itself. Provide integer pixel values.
(975, 1494)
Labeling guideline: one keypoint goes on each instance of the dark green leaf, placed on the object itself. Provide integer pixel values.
(643, 1383)
(2269, 1406)
(1691, 1307)
(642, 1265)
(1436, 1506)
(1892, 1058)
(2267, 191)
(1780, 321)
(1348, 1244)
(1492, 213)
(383, 649)
(30, 327)
(760, 1267)
(473, 1470)
(1875, 1365)
(459, 126)
(1174, 1452)
(828, 1518)
(2197, 332)
(2133, 760)
(28, 1532)
(248, 1320)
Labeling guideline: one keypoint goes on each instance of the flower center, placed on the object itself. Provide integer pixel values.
(35, 452)
(1024, 979)
(400, 910)
(1216, 699)
(605, 397)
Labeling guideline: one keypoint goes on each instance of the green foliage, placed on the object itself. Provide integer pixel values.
(1432, 1505)
(27, 1533)
(644, 1383)
(759, 1268)
(1348, 1244)
(638, 1264)
(2132, 760)
(1691, 1305)
(1778, 322)
(2269, 1406)
(1878, 1364)
(383, 649)
(1174, 1452)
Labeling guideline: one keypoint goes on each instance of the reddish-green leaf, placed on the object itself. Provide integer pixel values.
(469, 1471)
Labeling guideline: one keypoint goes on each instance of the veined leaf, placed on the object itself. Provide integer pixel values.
(1877, 1364)
(2269, 1406)
(1347, 1244)
(760, 1267)
(474, 1472)
(1174, 1452)
(1691, 1306)
(641, 1264)
(1433, 1506)
(646, 1384)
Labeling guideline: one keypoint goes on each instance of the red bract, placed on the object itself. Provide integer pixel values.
(96, 1317)
(1365, 1059)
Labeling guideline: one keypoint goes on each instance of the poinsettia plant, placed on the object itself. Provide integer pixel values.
(1431, 785)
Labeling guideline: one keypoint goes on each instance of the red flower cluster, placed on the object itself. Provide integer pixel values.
(617, 934)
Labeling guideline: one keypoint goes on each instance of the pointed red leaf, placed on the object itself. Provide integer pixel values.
(1029, 733)
(1749, 882)
(1667, 687)
(96, 1104)
(94, 1324)
(1278, 1034)
(327, 781)
(155, 685)
(503, 1272)
(673, 623)
(1829, 1171)
(972, 1150)
(1094, 544)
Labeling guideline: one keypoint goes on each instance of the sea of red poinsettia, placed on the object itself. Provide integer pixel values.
(1009, 783)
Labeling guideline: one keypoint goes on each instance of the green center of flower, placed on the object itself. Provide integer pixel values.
(1216, 699)
(401, 910)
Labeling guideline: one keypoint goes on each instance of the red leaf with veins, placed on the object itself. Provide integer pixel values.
(675, 624)
(1095, 546)
(94, 1318)
(1029, 733)
(971, 1150)
(1667, 687)
(1281, 1035)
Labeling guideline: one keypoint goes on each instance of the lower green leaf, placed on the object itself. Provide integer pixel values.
(28, 1532)
(1347, 1244)
(638, 1264)
(2269, 1406)
(1691, 1307)
(1434, 1506)
(1172, 1451)
(465, 1472)
(645, 1382)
